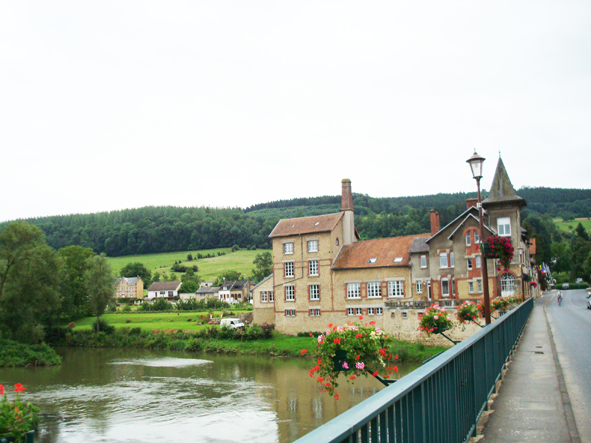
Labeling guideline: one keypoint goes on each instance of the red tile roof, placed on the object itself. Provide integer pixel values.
(384, 250)
(306, 225)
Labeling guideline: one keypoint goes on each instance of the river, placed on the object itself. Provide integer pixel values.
(139, 396)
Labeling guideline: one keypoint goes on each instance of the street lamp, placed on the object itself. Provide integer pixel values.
(476, 166)
(521, 260)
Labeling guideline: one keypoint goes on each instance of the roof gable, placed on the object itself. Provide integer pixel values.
(306, 225)
(165, 286)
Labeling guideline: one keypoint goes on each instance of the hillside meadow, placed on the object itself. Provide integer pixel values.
(209, 268)
(570, 225)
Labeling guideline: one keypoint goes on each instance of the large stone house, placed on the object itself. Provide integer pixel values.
(164, 289)
(323, 274)
(129, 287)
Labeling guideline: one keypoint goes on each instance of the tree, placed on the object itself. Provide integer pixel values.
(30, 275)
(189, 287)
(137, 269)
(99, 285)
(263, 265)
(228, 275)
(74, 295)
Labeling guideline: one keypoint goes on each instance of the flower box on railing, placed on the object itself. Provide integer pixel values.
(487, 252)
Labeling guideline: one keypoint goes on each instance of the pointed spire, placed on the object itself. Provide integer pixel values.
(501, 190)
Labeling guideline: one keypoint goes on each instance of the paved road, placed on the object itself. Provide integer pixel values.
(571, 327)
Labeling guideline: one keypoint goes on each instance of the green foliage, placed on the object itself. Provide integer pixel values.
(13, 354)
(159, 304)
(228, 276)
(74, 297)
(31, 276)
(99, 285)
(263, 266)
(137, 269)
(189, 287)
(102, 326)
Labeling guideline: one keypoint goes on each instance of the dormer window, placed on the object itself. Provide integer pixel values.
(398, 260)
(372, 260)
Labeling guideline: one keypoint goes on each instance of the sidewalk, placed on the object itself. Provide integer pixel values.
(532, 404)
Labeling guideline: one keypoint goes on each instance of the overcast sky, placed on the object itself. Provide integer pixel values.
(107, 105)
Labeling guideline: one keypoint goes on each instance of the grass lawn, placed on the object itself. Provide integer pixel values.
(150, 321)
(209, 268)
(569, 226)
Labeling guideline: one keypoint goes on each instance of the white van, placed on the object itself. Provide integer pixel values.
(234, 323)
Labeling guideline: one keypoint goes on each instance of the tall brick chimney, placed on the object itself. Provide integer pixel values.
(434, 221)
(471, 202)
(347, 208)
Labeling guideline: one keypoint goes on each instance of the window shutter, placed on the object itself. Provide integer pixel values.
(285, 293)
(309, 292)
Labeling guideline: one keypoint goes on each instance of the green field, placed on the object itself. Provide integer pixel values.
(569, 226)
(209, 268)
(150, 321)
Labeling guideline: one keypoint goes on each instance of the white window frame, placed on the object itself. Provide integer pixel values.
(354, 290)
(350, 311)
(471, 287)
(263, 296)
(315, 312)
(446, 281)
(370, 311)
(374, 289)
(469, 238)
(290, 293)
(478, 261)
(271, 296)
(442, 259)
(312, 245)
(379, 311)
(451, 259)
(289, 269)
(288, 248)
(290, 312)
(419, 284)
(396, 289)
(470, 263)
(314, 292)
(313, 268)
(423, 261)
(476, 237)
(479, 285)
(504, 226)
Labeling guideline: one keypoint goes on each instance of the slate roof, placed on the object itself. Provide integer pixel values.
(383, 250)
(501, 190)
(165, 286)
(128, 280)
(465, 216)
(306, 225)
(208, 290)
(419, 244)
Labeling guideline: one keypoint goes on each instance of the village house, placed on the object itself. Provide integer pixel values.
(323, 274)
(129, 287)
(164, 289)
(235, 291)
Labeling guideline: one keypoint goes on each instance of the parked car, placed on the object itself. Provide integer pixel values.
(234, 323)
(565, 286)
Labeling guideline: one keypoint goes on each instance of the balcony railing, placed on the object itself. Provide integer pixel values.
(439, 402)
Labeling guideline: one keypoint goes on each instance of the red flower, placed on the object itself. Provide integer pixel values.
(375, 374)
(358, 336)
(310, 334)
(336, 341)
(316, 368)
(395, 368)
(327, 384)
(19, 388)
(330, 325)
(382, 352)
(320, 379)
(352, 377)
(396, 357)
(304, 351)
(373, 322)
(358, 357)
(319, 361)
(361, 317)
(336, 396)
(1, 390)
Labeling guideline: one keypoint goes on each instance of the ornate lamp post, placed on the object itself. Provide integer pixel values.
(476, 166)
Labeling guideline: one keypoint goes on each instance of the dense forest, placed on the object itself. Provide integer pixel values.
(165, 229)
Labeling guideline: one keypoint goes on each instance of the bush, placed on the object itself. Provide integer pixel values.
(126, 308)
(14, 354)
(103, 326)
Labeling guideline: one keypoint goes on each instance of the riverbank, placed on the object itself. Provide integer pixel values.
(14, 354)
(275, 345)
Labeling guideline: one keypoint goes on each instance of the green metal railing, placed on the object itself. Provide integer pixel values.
(441, 401)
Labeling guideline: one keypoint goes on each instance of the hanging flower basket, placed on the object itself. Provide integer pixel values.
(353, 350)
(498, 247)
(468, 311)
(435, 320)
(17, 419)
(533, 284)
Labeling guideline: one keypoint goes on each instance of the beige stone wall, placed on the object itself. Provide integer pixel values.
(263, 312)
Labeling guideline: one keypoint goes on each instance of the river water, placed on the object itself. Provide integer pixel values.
(133, 396)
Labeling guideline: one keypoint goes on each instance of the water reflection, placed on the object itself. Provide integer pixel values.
(107, 395)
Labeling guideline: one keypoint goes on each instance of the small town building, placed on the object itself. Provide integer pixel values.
(164, 289)
(129, 287)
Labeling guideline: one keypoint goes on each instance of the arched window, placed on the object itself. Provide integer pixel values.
(507, 285)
